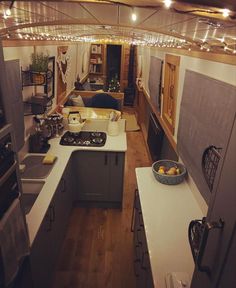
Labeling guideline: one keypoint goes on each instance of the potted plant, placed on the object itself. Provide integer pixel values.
(39, 66)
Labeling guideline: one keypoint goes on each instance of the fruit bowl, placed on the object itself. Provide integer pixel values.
(169, 172)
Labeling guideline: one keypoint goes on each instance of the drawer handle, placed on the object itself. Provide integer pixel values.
(106, 159)
(134, 208)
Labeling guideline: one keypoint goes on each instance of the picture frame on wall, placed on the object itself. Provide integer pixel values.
(94, 49)
(50, 87)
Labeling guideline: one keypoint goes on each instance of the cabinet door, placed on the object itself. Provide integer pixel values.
(60, 210)
(69, 183)
(40, 255)
(59, 221)
(117, 161)
(216, 259)
(91, 171)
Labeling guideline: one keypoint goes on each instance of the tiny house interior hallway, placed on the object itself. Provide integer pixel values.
(98, 246)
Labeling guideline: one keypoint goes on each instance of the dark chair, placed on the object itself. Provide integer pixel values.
(104, 100)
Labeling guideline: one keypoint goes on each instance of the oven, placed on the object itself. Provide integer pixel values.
(9, 192)
(155, 137)
(9, 189)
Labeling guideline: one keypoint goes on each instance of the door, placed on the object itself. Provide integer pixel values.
(113, 62)
(217, 250)
(91, 170)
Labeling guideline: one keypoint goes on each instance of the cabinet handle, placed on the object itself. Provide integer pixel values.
(116, 159)
(139, 239)
(133, 212)
(142, 262)
(52, 213)
(136, 262)
(140, 219)
(106, 159)
(63, 190)
(48, 215)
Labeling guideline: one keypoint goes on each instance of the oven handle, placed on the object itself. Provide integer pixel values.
(8, 173)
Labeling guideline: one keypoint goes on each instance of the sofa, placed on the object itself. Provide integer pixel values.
(87, 99)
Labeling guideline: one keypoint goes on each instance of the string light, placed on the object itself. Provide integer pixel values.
(8, 12)
(225, 13)
(133, 16)
(167, 3)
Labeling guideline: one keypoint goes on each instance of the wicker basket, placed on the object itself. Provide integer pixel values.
(169, 179)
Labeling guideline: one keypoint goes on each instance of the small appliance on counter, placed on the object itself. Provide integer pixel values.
(38, 141)
(54, 125)
(46, 128)
(75, 122)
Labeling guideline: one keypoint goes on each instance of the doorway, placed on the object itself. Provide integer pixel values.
(113, 62)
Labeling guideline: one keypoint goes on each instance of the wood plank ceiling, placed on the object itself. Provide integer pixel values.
(186, 24)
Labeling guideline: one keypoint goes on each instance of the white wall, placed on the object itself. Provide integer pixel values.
(220, 71)
(76, 51)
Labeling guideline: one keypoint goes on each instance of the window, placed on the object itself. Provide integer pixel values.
(170, 90)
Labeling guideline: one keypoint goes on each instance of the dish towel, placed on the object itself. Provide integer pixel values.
(14, 241)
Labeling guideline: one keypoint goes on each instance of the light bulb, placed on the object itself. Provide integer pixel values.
(133, 17)
(225, 12)
(167, 3)
(8, 12)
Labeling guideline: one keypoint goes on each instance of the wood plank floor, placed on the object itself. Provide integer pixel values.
(98, 248)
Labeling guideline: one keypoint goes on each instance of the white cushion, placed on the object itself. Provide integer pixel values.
(78, 101)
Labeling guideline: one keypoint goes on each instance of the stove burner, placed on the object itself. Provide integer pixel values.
(96, 134)
(69, 139)
(97, 140)
(84, 138)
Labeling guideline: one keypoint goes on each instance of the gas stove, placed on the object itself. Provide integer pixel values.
(84, 138)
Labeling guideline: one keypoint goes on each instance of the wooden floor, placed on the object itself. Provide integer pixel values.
(98, 247)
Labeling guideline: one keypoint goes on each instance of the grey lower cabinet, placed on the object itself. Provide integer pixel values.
(142, 267)
(46, 246)
(99, 178)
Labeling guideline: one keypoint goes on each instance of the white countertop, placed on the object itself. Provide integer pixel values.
(113, 143)
(167, 211)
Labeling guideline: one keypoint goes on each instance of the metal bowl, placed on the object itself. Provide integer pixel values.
(169, 179)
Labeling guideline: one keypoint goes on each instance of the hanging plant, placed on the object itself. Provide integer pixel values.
(39, 62)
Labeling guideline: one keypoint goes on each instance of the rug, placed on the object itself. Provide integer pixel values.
(131, 122)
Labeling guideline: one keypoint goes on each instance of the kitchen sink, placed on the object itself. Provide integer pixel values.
(34, 167)
(31, 190)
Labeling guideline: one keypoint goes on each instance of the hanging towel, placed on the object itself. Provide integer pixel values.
(14, 241)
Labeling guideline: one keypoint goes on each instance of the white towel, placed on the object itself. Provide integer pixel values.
(14, 240)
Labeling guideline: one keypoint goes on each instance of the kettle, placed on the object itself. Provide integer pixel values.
(75, 122)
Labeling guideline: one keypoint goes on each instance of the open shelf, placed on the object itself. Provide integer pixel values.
(96, 60)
